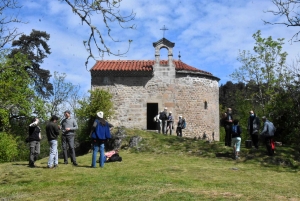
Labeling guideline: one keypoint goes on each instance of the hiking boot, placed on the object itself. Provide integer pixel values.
(75, 164)
(66, 162)
(55, 166)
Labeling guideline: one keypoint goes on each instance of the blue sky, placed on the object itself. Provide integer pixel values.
(208, 33)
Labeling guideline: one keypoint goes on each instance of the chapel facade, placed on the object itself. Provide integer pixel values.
(143, 88)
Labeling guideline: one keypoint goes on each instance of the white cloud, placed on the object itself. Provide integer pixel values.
(208, 33)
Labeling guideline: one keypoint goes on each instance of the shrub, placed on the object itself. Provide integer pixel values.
(8, 147)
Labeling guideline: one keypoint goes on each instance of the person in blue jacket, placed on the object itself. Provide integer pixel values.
(100, 134)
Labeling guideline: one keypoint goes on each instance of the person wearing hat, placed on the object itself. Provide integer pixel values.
(170, 123)
(68, 127)
(164, 118)
(100, 133)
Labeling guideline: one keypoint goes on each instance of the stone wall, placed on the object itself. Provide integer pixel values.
(184, 95)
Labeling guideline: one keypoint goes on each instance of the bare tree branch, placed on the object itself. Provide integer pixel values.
(8, 34)
(289, 9)
(110, 12)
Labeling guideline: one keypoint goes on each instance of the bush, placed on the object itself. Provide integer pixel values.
(8, 147)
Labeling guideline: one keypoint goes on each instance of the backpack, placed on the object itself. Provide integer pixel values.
(183, 124)
(163, 116)
(114, 158)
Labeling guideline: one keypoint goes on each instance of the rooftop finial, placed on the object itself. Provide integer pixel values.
(164, 29)
(179, 56)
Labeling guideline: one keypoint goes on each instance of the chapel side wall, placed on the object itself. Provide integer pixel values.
(183, 96)
(191, 96)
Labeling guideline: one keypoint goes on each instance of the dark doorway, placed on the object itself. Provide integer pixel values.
(152, 111)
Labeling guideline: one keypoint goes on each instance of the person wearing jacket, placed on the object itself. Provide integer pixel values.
(228, 121)
(170, 123)
(34, 141)
(100, 133)
(68, 127)
(267, 134)
(236, 138)
(179, 127)
(52, 132)
(253, 128)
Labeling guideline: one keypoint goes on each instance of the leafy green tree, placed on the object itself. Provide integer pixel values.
(16, 94)
(99, 100)
(265, 68)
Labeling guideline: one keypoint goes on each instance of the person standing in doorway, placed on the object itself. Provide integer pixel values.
(253, 128)
(68, 127)
(163, 116)
(158, 123)
(52, 132)
(34, 141)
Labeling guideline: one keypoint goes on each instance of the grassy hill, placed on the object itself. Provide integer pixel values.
(161, 168)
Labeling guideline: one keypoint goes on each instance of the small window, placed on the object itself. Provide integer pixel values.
(205, 105)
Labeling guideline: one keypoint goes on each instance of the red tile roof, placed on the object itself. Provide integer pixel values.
(140, 65)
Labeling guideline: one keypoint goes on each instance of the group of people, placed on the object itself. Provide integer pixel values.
(165, 123)
(100, 133)
(233, 132)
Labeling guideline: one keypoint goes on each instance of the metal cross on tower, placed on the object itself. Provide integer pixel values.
(164, 29)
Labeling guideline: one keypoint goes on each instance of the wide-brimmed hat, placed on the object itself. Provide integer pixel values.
(100, 114)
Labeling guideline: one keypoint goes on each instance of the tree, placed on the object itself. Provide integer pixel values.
(16, 100)
(110, 13)
(63, 95)
(265, 68)
(36, 48)
(290, 10)
(99, 100)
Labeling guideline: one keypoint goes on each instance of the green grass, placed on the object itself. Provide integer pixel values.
(161, 168)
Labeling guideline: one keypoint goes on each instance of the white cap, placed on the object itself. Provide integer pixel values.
(170, 112)
(100, 114)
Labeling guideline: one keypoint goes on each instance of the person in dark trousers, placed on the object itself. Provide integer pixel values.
(253, 128)
(170, 123)
(267, 135)
(100, 133)
(228, 121)
(163, 116)
(236, 138)
(158, 123)
(179, 127)
(68, 127)
(34, 141)
(52, 132)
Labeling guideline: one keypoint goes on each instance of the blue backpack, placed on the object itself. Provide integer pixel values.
(183, 124)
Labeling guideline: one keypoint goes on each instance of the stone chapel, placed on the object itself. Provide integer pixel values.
(143, 88)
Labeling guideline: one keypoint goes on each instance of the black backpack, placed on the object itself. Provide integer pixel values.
(163, 116)
(114, 158)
